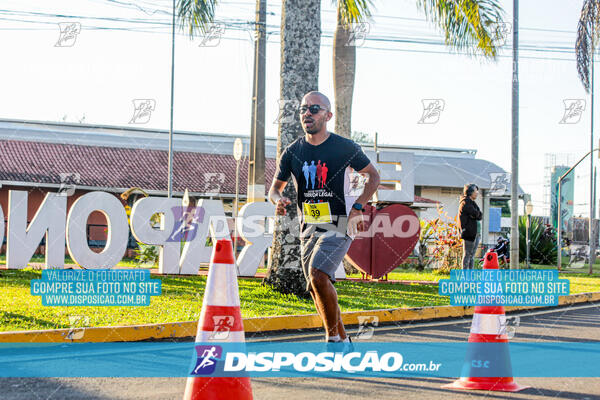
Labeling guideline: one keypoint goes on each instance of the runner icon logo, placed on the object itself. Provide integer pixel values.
(366, 326)
(573, 111)
(68, 183)
(68, 33)
(223, 325)
(142, 110)
(207, 359)
(186, 223)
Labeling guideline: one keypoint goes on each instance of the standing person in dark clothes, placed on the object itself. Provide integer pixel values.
(469, 216)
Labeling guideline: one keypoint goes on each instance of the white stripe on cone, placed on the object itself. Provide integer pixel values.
(229, 336)
(218, 292)
(489, 324)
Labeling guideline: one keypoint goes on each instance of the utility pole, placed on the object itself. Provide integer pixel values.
(170, 162)
(514, 182)
(592, 237)
(256, 160)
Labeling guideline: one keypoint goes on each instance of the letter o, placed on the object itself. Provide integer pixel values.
(118, 230)
(396, 361)
(413, 226)
(310, 364)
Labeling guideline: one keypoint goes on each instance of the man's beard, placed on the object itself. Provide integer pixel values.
(313, 129)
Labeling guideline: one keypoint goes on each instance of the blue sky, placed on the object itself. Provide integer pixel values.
(105, 69)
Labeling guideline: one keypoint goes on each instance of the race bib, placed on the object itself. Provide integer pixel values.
(316, 213)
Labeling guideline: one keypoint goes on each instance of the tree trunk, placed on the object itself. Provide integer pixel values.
(300, 46)
(344, 67)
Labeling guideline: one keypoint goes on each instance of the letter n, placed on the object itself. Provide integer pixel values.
(23, 239)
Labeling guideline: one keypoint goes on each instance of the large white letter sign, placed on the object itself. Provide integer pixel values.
(251, 227)
(23, 240)
(211, 216)
(141, 229)
(118, 230)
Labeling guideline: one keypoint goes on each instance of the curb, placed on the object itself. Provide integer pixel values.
(173, 330)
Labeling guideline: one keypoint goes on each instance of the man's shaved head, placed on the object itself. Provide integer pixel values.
(316, 98)
(315, 123)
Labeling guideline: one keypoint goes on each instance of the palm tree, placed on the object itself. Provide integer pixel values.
(196, 15)
(588, 31)
(350, 13)
(470, 26)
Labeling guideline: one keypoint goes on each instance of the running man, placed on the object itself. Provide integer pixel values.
(312, 168)
(306, 173)
(207, 359)
(330, 218)
(319, 172)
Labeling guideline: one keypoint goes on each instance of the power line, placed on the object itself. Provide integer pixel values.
(237, 24)
(421, 20)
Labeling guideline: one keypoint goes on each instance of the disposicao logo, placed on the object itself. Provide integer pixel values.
(207, 359)
(321, 362)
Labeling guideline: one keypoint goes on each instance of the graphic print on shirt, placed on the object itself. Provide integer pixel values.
(325, 190)
(315, 173)
(316, 209)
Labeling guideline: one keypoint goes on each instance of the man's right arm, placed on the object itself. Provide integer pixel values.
(283, 173)
(276, 197)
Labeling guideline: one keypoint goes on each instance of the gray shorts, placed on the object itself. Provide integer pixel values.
(323, 251)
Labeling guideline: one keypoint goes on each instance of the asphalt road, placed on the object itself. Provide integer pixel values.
(571, 324)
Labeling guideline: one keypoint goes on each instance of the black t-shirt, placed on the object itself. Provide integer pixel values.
(324, 178)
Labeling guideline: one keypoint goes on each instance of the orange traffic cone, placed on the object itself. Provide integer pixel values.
(220, 321)
(488, 326)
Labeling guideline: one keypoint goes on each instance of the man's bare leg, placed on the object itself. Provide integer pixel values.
(341, 329)
(325, 298)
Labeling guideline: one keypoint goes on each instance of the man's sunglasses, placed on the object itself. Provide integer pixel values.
(314, 109)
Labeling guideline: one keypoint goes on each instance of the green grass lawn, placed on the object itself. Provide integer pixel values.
(181, 300)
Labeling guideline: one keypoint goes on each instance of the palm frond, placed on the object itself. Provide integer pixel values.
(196, 15)
(468, 25)
(588, 30)
(353, 11)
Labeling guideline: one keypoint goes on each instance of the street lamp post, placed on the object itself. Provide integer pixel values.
(170, 152)
(514, 184)
(528, 211)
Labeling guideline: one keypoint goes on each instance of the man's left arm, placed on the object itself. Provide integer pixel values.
(371, 185)
(355, 219)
